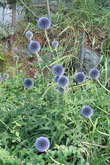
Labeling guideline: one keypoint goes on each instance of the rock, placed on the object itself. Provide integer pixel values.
(91, 59)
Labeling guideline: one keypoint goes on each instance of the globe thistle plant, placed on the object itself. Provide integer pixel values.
(109, 62)
(87, 111)
(0, 80)
(44, 23)
(55, 44)
(61, 89)
(29, 35)
(28, 83)
(56, 79)
(42, 144)
(63, 81)
(80, 77)
(34, 46)
(94, 73)
(5, 76)
(58, 70)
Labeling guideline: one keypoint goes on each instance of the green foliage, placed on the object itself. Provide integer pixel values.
(43, 111)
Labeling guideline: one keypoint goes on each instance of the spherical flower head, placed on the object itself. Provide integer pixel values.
(55, 44)
(94, 73)
(16, 58)
(44, 23)
(87, 112)
(42, 144)
(28, 83)
(63, 81)
(56, 79)
(0, 80)
(34, 46)
(109, 62)
(80, 77)
(5, 76)
(29, 34)
(58, 70)
(61, 89)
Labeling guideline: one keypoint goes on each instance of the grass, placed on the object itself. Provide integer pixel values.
(42, 110)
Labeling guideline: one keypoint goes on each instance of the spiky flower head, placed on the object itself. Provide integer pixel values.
(63, 81)
(56, 79)
(34, 46)
(87, 111)
(5, 76)
(55, 43)
(0, 80)
(29, 34)
(61, 89)
(58, 70)
(80, 77)
(109, 62)
(44, 23)
(94, 73)
(28, 83)
(16, 58)
(42, 144)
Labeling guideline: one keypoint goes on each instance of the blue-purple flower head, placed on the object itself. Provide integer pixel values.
(109, 62)
(94, 73)
(5, 76)
(87, 111)
(42, 144)
(58, 70)
(0, 79)
(55, 43)
(63, 81)
(56, 79)
(62, 89)
(34, 46)
(44, 23)
(28, 83)
(80, 77)
(16, 58)
(29, 34)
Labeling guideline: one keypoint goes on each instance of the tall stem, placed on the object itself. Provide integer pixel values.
(48, 8)
(48, 41)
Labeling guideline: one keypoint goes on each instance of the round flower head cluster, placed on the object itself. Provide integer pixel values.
(63, 81)
(34, 46)
(58, 70)
(87, 112)
(42, 144)
(61, 89)
(5, 76)
(94, 73)
(16, 58)
(28, 83)
(80, 77)
(55, 44)
(56, 79)
(109, 62)
(29, 34)
(0, 79)
(44, 23)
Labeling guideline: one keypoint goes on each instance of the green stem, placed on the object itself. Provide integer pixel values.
(48, 41)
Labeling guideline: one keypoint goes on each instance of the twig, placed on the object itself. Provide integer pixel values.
(48, 8)
(86, 143)
(28, 9)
